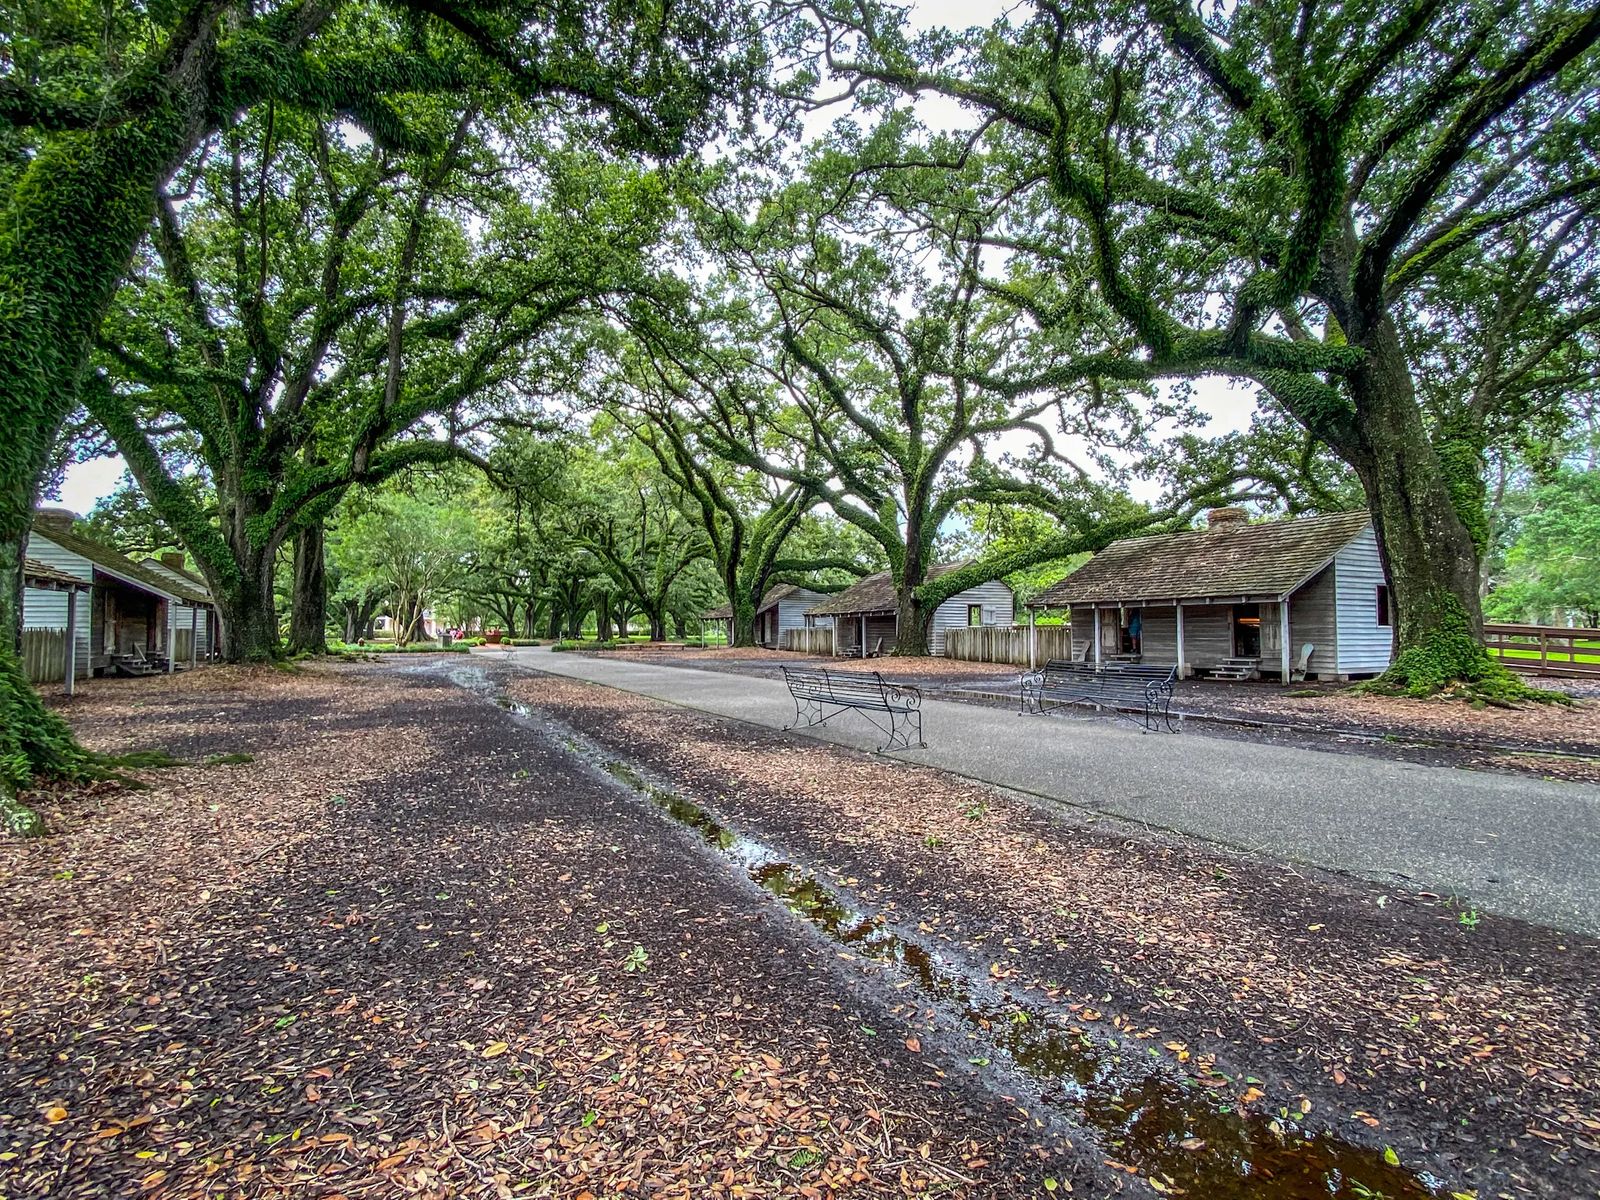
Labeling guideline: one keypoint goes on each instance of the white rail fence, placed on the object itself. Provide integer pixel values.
(1006, 643)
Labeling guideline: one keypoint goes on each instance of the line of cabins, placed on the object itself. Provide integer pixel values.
(1234, 600)
(91, 610)
(1238, 599)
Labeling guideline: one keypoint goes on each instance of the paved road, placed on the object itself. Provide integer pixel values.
(1511, 844)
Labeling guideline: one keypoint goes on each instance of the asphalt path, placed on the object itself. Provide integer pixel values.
(1504, 843)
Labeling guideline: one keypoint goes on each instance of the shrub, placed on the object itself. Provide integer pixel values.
(391, 648)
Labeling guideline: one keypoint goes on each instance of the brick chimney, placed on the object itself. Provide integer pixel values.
(54, 520)
(173, 559)
(1226, 518)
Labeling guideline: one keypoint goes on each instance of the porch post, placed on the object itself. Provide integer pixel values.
(863, 635)
(172, 637)
(71, 658)
(1183, 670)
(1283, 625)
(1097, 650)
(194, 635)
(1033, 638)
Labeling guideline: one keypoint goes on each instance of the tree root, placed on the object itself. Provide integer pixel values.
(1455, 665)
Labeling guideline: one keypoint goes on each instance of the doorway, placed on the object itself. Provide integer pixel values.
(1247, 631)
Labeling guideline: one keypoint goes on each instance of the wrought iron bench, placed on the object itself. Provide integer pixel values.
(1139, 692)
(821, 695)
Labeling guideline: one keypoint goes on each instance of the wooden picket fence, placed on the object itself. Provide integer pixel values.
(817, 640)
(44, 655)
(1006, 643)
(1545, 649)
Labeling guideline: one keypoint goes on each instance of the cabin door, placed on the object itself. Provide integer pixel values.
(1247, 631)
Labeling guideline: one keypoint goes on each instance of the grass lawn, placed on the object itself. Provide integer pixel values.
(1564, 652)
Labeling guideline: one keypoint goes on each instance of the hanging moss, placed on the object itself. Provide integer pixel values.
(1462, 460)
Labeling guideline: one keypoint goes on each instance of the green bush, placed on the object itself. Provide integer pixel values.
(391, 648)
(523, 642)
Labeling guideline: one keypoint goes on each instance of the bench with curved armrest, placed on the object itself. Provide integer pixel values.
(820, 695)
(1137, 691)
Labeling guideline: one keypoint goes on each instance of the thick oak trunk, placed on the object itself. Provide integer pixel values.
(249, 614)
(1425, 495)
(308, 614)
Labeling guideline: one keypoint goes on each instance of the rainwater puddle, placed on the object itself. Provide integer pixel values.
(1186, 1138)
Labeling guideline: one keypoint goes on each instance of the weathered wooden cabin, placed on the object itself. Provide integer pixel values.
(50, 652)
(171, 566)
(865, 614)
(1237, 599)
(782, 608)
(135, 613)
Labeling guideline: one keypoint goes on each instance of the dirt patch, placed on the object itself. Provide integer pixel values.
(1456, 1038)
(413, 947)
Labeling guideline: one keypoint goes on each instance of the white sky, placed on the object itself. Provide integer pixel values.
(1230, 407)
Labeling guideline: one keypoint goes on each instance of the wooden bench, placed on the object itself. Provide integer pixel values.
(821, 695)
(1139, 692)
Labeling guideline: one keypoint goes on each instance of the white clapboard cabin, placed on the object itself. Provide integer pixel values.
(133, 613)
(865, 614)
(781, 609)
(1237, 599)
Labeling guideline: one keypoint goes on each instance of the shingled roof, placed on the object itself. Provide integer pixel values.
(43, 575)
(1263, 558)
(121, 566)
(873, 594)
(782, 591)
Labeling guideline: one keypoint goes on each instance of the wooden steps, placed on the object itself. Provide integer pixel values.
(1237, 669)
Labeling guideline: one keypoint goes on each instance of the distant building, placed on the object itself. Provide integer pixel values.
(783, 607)
(1237, 599)
(866, 615)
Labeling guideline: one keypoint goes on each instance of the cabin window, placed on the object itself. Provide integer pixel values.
(974, 614)
(1383, 605)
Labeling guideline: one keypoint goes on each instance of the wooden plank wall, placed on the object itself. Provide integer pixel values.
(807, 640)
(1006, 643)
(44, 655)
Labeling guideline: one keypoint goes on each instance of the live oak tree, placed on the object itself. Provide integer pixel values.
(917, 378)
(1267, 190)
(411, 547)
(317, 315)
(1552, 571)
(687, 391)
(629, 517)
(102, 104)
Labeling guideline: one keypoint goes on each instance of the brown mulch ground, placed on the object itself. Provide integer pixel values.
(416, 948)
(1459, 1039)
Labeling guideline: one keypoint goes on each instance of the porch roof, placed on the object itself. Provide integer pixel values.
(1238, 560)
(782, 591)
(121, 568)
(36, 574)
(874, 594)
